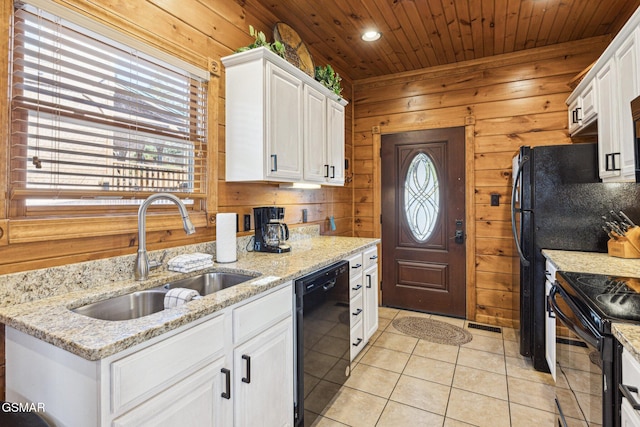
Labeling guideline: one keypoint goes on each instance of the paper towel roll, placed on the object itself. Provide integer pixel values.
(226, 237)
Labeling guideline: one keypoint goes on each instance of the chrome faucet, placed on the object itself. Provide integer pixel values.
(143, 265)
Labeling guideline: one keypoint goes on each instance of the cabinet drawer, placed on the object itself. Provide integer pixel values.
(355, 265)
(356, 308)
(355, 286)
(630, 370)
(550, 271)
(262, 313)
(370, 257)
(357, 339)
(147, 372)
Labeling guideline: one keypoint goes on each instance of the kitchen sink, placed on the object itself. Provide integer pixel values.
(125, 307)
(209, 283)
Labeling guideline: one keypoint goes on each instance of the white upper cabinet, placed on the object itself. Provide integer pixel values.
(605, 94)
(281, 124)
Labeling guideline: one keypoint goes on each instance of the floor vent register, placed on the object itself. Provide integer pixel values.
(485, 327)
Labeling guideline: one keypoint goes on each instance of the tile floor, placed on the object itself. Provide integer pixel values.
(398, 380)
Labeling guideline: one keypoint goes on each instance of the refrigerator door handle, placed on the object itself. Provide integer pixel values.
(516, 179)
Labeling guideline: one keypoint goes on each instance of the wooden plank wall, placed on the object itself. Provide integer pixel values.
(513, 99)
(199, 33)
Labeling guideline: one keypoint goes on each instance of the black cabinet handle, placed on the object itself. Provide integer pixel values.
(574, 115)
(326, 171)
(274, 158)
(368, 281)
(333, 171)
(626, 391)
(373, 257)
(357, 313)
(613, 166)
(357, 343)
(357, 288)
(356, 266)
(227, 373)
(247, 379)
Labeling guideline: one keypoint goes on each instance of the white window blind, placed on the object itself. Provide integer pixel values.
(93, 120)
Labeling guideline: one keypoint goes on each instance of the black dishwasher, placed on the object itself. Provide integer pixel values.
(321, 338)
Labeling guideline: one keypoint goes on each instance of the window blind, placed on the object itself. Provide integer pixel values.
(92, 118)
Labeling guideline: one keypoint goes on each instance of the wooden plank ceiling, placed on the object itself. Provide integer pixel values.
(425, 33)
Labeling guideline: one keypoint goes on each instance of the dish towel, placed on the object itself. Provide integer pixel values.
(178, 296)
(187, 263)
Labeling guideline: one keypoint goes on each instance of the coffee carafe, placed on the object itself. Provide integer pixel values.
(270, 232)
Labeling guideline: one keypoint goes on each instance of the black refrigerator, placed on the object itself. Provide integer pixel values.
(557, 203)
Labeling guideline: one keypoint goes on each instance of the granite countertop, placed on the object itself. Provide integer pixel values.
(601, 263)
(51, 320)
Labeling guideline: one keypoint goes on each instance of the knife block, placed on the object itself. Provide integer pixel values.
(627, 246)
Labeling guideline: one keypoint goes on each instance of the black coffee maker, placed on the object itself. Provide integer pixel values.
(271, 232)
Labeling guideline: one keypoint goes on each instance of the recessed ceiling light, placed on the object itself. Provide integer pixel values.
(371, 36)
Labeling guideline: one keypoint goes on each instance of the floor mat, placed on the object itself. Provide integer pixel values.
(432, 330)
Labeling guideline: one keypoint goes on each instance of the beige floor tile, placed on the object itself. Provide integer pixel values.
(481, 360)
(444, 352)
(430, 369)
(405, 313)
(396, 342)
(355, 408)
(523, 416)
(396, 414)
(364, 351)
(383, 323)
(383, 358)
(421, 394)
(482, 382)
(450, 422)
(484, 343)
(511, 348)
(370, 379)
(520, 367)
(387, 312)
(478, 409)
(510, 334)
(315, 420)
(533, 394)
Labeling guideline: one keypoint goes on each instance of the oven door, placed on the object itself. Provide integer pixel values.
(583, 393)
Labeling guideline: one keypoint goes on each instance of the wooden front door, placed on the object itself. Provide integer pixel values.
(423, 212)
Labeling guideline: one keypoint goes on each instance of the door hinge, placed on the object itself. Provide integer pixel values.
(380, 218)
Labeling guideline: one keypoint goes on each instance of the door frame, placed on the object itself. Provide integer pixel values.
(470, 211)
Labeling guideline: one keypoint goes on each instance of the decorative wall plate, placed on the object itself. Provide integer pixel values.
(296, 51)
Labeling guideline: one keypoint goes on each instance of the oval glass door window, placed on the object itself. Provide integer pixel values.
(421, 197)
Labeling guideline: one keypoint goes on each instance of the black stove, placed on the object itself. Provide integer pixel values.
(603, 298)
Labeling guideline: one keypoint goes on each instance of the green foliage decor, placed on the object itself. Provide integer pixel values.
(328, 77)
(261, 41)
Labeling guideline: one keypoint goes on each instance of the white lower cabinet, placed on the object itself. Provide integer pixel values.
(263, 380)
(192, 376)
(363, 284)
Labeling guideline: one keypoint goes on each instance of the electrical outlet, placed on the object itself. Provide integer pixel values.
(495, 200)
(304, 215)
(247, 222)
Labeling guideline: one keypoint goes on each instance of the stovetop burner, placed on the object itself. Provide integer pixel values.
(613, 297)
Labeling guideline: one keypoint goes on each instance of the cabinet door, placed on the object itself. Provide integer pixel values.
(335, 142)
(283, 125)
(575, 111)
(195, 401)
(263, 379)
(370, 302)
(627, 72)
(316, 167)
(608, 142)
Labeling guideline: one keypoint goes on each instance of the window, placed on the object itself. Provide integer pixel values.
(95, 122)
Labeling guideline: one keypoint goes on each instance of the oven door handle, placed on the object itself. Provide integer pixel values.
(587, 332)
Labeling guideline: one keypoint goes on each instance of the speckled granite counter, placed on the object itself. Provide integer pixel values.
(599, 263)
(50, 319)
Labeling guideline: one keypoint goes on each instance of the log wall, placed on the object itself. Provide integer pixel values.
(200, 33)
(507, 101)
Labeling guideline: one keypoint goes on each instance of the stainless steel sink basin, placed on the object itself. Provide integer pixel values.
(125, 307)
(209, 283)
